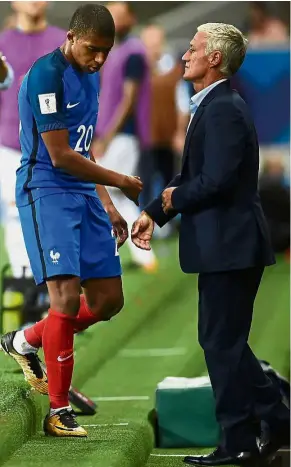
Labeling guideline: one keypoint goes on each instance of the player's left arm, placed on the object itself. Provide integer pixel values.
(119, 224)
(134, 71)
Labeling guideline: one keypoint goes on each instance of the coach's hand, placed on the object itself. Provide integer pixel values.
(131, 187)
(167, 199)
(142, 231)
(119, 225)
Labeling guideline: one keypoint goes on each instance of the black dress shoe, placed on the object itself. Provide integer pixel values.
(221, 457)
(269, 447)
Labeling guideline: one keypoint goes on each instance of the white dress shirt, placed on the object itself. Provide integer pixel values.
(199, 96)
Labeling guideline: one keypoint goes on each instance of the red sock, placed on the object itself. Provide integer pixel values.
(85, 317)
(83, 320)
(33, 335)
(58, 341)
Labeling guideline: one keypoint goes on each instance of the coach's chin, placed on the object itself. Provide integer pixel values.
(224, 238)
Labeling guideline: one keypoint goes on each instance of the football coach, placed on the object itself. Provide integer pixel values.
(224, 238)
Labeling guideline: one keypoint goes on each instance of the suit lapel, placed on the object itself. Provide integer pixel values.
(191, 128)
(218, 90)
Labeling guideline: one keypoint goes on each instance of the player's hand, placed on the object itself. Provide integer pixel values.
(167, 199)
(119, 226)
(131, 187)
(142, 231)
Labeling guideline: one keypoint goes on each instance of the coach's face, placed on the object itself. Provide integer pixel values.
(197, 63)
(91, 51)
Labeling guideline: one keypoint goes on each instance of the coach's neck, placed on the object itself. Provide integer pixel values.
(211, 77)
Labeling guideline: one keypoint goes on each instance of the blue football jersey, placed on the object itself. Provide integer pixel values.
(53, 96)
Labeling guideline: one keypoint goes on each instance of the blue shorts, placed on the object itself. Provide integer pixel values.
(69, 233)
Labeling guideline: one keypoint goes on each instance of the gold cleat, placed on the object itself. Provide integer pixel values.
(33, 369)
(63, 424)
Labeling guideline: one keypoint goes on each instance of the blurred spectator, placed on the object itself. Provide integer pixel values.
(124, 115)
(169, 112)
(28, 38)
(264, 27)
(10, 22)
(275, 197)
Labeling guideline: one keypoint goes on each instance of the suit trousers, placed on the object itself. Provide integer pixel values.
(244, 395)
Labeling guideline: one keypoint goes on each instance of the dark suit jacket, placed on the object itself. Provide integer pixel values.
(222, 223)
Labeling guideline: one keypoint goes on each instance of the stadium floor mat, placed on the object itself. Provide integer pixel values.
(161, 343)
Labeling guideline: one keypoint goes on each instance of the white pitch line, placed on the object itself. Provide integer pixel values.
(100, 425)
(169, 455)
(168, 352)
(120, 398)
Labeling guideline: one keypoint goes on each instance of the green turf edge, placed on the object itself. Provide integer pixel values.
(21, 420)
(136, 446)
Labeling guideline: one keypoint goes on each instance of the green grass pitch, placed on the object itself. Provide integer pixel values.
(160, 312)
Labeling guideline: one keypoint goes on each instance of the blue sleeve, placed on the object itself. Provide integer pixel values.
(135, 67)
(155, 210)
(45, 93)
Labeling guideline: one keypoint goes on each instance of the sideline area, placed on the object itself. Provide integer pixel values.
(119, 364)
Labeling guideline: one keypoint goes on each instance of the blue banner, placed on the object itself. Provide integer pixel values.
(264, 83)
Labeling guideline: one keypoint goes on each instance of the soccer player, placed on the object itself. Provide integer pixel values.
(68, 234)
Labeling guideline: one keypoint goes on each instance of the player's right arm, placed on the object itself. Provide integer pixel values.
(65, 158)
(45, 93)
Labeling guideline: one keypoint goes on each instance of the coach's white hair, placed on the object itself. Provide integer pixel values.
(229, 41)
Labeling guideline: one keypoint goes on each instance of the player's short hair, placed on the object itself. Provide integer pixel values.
(92, 17)
(229, 41)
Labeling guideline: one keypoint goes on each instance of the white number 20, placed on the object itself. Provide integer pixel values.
(85, 138)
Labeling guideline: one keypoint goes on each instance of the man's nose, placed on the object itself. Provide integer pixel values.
(100, 58)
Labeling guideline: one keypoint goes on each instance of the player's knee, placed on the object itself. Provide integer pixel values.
(67, 303)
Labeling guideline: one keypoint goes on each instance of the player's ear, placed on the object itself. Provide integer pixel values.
(70, 36)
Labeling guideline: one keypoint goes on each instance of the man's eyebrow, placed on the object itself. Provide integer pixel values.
(98, 48)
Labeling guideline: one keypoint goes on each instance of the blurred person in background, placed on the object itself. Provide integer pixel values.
(27, 31)
(123, 127)
(169, 112)
(264, 28)
(6, 74)
(275, 198)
